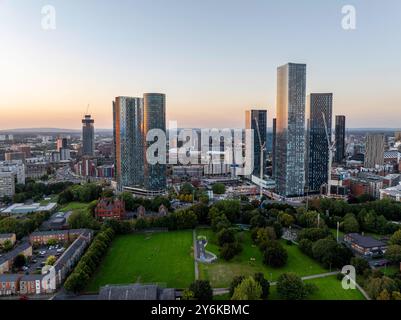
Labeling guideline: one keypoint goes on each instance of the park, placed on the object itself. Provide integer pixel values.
(163, 257)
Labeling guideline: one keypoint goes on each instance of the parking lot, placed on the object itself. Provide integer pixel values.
(40, 255)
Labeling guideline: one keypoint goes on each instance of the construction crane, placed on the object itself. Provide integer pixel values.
(262, 148)
(331, 146)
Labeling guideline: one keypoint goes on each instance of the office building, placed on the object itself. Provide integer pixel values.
(11, 156)
(256, 120)
(15, 166)
(340, 139)
(7, 184)
(374, 155)
(290, 130)
(61, 143)
(88, 136)
(319, 105)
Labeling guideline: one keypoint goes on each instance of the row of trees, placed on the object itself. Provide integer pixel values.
(81, 193)
(87, 265)
(391, 210)
(37, 190)
(320, 244)
(23, 227)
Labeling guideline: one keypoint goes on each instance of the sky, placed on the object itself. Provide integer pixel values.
(213, 59)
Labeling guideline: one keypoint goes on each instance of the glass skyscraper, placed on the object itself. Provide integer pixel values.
(319, 105)
(154, 105)
(128, 142)
(290, 130)
(88, 136)
(251, 118)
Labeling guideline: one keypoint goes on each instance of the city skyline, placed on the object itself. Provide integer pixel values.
(221, 67)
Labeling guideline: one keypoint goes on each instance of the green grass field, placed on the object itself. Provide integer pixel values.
(74, 206)
(220, 273)
(329, 288)
(165, 258)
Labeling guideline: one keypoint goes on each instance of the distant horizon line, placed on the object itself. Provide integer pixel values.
(49, 129)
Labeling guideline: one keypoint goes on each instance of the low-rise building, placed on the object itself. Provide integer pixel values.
(136, 292)
(9, 284)
(366, 246)
(108, 208)
(43, 237)
(7, 259)
(393, 193)
(22, 209)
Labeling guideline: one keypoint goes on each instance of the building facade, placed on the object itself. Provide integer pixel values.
(154, 117)
(256, 120)
(290, 130)
(128, 141)
(7, 184)
(88, 136)
(319, 105)
(340, 139)
(374, 155)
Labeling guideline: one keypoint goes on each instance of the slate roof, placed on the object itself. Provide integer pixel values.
(135, 292)
(365, 242)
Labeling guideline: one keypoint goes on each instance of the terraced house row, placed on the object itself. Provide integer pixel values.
(50, 279)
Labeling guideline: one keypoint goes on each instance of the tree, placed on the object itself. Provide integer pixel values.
(81, 219)
(264, 236)
(350, 224)
(285, 219)
(248, 289)
(375, 286)
(19, 261)
(76, 282)
(393, 253)
(51, 260)
(264, 284)
(275, 254)
(225, 236)
(360, 265)
(202, 290)
(7, 246)
(291, 287)
(219, 188)
(384, 295)
(187, 295)
(187, 188)
(51, 242)
(396, 238)
(230, 250)
(314, 234)
(235, 283)
(305, 245)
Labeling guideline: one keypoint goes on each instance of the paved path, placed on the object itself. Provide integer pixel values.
(195, 255)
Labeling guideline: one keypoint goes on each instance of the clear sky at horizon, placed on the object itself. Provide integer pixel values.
(212, 58)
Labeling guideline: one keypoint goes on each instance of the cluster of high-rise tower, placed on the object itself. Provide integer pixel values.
(300, 150)
(302, 132)
(133, 118)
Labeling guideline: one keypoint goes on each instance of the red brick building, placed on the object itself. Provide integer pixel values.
(110, 209)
